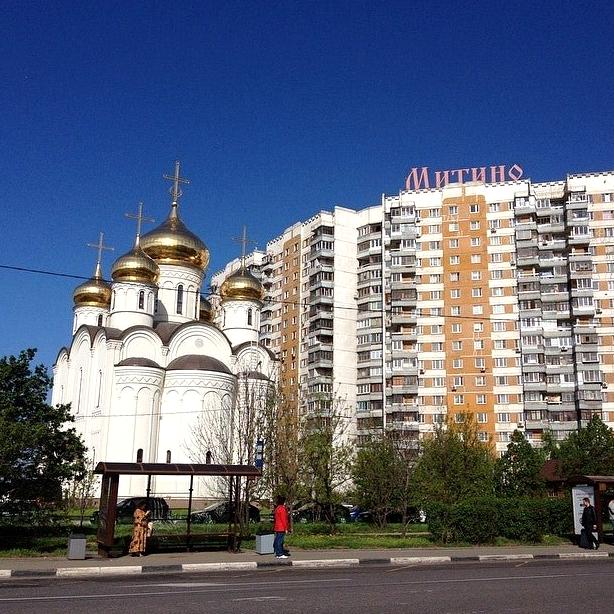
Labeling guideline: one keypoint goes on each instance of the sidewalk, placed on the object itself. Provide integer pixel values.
(248, 559)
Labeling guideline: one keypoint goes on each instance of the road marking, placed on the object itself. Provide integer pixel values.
(241, 585)
(267, 598)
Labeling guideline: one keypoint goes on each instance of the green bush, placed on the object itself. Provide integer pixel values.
(482, 520)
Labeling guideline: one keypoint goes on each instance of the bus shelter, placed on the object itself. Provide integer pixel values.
(603, 488)
(111, 473)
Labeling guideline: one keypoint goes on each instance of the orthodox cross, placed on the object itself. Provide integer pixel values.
(100, 246)
(243, 240)
(140, 218)
(176, 179)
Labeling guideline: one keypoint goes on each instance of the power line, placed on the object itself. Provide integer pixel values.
(271, 301)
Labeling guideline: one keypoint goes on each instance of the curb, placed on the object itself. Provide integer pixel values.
(84, 572)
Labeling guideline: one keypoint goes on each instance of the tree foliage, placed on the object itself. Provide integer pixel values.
(380, 473)
(325, 456)
(589, 451)
(517, 472)
(454, 464)
(38, 452)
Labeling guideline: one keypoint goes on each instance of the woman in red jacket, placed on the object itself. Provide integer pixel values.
(281, 525)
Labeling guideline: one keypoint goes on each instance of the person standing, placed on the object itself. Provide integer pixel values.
(589, 521)
(281, 525)
(140, 530)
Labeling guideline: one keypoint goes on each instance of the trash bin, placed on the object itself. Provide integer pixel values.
(76, 546)
(264, 543)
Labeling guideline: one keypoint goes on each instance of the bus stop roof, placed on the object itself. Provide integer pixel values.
(105, 468)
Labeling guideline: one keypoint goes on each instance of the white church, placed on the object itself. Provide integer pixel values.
(147, 361)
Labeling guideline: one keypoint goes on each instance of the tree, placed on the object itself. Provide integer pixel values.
(325, 454)
(589, 451)
(517, 472)
(38, 451)
(454, 464)
(380, 474)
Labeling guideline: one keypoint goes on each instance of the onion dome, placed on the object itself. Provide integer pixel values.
(173, 243)
(135, 266)
(205, 313)
(95, 292)
(242, 285)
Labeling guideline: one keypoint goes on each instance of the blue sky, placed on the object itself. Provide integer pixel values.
(277, 110)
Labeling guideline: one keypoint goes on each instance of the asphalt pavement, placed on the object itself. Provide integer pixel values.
(497, 587)
(212, 561)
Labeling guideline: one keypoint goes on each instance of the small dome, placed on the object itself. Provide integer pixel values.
(198, 362)
(241, 285)
(205, 313)
(94, 292)
(138, 362)
(173, 243)
(135, 266)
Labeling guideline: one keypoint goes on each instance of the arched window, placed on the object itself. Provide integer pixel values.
(99, 388)
(156, 303)
(139, 455)
(179, 298)
(249, 316)
(79, 390)
(142, 299)
(113, 300)
(99, 319)
(168, 456)
(223, 318)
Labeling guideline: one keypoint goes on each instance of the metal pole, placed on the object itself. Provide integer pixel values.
(189, 519)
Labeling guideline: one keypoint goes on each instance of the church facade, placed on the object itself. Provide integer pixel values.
(147, 366)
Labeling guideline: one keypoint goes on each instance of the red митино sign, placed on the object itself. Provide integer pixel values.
(420, 178)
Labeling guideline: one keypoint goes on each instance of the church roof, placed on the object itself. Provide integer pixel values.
(237, 348)
(197, 362)
(256, 375)
(138, 362)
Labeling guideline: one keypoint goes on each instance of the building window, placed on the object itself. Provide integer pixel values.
(482, 418)
(141, 299)
(249, 316)
(99, 319)
(476, 258)
(180, 298)
(454, 259)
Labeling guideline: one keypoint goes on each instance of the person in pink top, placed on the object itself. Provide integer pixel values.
(281, 525)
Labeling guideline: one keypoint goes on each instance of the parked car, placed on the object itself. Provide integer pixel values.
(219, 512)
(160, 509)
(314, 512)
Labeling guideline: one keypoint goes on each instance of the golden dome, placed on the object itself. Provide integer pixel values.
(206, 310)
(241, 285)
(95, 292)
(173, 243)
(135, 266)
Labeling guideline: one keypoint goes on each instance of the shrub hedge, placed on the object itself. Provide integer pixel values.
(481, 520)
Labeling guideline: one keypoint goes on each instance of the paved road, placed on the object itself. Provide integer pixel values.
(538, 586)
